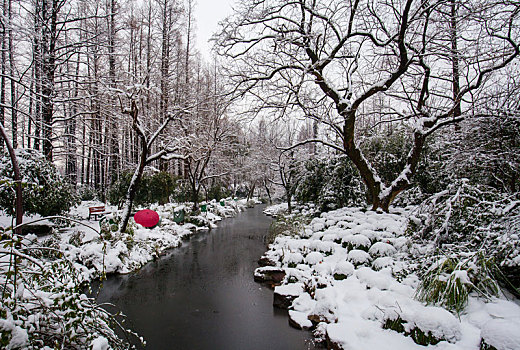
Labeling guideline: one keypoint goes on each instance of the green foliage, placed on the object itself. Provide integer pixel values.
(109, 227)
(45, 191)
(330, 183)
(471, 216)
(432, 174)
(388, 153)
(160, 186)
(417, 334)
(182, 192)
(86, 193)
(218, 191)
(153, 188)
(488, 152)
(467, 218)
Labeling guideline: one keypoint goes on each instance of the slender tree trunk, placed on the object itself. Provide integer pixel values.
(113, 170)
(455, 62)
(138, 173)
(31, 109)
(3, 38)
(37, 63)
(165, 68)
(50, 16)
(268, 192)
(14, 102)
(71, 168)
(17, 179)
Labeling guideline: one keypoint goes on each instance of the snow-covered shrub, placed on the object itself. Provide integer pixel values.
(314, 258)
(488, 149)
(330, 183)
(358, 257)
(449, 281)
(425, 325)
(467, 218)
(292, 259)
(109, 226)
(343, 269)
(357, 241)
(43, 304)
(380, 249)
(45, 191)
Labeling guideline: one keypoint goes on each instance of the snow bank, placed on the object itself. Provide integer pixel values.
(357, 288)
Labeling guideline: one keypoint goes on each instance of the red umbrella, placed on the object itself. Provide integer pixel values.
(146, 218)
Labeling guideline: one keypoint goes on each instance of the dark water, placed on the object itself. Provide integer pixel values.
(202, 295)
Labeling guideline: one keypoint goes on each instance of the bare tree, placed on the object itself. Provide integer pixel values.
(342, 63)
(146, 141)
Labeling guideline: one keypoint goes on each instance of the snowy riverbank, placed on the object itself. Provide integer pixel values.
(95, 250)
(345, 276)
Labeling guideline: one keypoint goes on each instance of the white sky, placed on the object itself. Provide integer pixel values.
(207, 15)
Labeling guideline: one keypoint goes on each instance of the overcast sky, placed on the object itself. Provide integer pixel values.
(207, 14)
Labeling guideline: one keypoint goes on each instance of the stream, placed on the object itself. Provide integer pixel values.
(202, 294)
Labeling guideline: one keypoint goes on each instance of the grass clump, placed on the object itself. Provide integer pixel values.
(450, 280)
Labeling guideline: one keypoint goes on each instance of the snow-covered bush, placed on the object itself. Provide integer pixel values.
(466, 218)
(43, 304)
(425, 325)
(45, 191)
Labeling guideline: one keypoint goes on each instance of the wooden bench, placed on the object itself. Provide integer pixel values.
(96, 211)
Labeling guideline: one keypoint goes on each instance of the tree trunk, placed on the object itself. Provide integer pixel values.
(14, 102)
(71, 168)
(268, 192)
(138, 173)
(132, 189)
(288, 193)
(49, 37)
(251, 191)
(113, 169)
(195, 196)
(17, 179)
(37, 63)
(3, 38)
(165, 68)
(455, 62)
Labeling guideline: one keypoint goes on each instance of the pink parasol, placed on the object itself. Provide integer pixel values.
(146, 218)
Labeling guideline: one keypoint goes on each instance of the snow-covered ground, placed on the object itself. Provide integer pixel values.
(346, 277)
